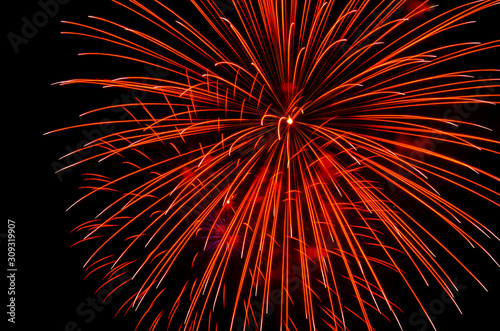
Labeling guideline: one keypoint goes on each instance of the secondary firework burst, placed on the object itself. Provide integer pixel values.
(260, 180)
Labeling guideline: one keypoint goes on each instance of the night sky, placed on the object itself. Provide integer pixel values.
(51, 293)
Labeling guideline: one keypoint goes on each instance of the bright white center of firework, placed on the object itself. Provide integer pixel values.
(289, 120)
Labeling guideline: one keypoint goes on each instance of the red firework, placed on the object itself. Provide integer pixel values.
(258, 180)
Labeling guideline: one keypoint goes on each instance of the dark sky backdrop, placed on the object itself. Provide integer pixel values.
(50, 280)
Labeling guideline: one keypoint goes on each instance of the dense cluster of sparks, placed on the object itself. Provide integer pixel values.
(268, 178)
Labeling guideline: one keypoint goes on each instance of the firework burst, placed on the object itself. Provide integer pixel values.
(271, 179)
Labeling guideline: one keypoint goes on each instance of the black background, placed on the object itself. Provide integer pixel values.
(50, 283)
